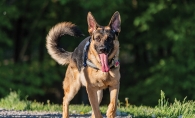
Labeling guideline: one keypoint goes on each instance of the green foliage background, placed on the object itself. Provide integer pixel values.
(156, 43)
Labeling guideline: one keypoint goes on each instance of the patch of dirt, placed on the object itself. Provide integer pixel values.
(33, 114)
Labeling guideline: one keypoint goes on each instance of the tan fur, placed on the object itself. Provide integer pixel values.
(94, 80)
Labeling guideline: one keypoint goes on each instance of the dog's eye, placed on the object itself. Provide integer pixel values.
(109, 39)
(98, 38)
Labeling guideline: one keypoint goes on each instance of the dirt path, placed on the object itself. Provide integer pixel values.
(33, 114)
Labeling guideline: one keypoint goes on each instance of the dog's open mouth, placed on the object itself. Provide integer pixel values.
(104, 62)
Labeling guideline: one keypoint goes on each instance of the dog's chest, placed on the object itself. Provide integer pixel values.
(99, 79)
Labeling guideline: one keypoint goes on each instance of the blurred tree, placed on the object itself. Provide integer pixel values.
(163, 52)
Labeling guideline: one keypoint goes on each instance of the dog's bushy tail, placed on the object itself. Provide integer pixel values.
(57, 53)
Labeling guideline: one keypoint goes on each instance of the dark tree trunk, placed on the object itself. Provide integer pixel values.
(17, 40)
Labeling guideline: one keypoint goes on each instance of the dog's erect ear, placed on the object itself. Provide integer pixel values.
(92, 24)
(115, 22)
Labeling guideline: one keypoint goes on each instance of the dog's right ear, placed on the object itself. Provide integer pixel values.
(92, 24)
(115, 22)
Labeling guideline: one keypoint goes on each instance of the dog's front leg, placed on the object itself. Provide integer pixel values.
(93, 98)
(111, 112)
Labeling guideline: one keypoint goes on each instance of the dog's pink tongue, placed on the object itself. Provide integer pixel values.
(104, 62)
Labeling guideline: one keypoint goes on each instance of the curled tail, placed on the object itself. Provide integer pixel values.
(59, 54)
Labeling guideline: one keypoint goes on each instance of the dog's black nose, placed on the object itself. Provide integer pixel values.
(102, 49)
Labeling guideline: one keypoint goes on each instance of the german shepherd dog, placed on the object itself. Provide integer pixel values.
(93, 64)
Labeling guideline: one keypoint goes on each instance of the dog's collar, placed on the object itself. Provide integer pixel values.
(113, 63)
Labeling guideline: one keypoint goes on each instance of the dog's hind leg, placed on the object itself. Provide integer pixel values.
(100, 95)
(71, 86)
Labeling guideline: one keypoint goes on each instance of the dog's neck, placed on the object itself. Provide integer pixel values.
(112, 64)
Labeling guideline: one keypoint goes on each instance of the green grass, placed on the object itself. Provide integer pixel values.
(164, 109)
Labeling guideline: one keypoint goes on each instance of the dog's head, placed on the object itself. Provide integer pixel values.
(104, 38)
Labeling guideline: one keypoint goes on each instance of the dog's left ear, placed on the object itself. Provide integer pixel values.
(92, 24)
(115, 22)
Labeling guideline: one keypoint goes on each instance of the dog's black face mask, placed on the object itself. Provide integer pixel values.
(103, 38)
(104, 41)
